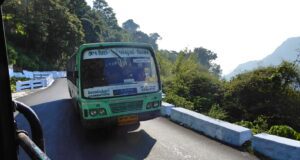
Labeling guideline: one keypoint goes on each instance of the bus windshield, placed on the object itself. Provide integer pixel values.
(118, 71)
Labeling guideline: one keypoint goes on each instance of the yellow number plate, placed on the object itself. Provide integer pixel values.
(125, 120)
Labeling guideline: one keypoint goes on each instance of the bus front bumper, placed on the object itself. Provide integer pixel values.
(113, 121)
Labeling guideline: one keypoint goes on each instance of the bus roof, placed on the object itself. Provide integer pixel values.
(108, 44)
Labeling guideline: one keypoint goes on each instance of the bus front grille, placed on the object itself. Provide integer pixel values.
(126, 106)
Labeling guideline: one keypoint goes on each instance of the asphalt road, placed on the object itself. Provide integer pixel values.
(154, 139)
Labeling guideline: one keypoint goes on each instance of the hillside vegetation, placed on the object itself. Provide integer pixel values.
(265, 100)
(43, 34)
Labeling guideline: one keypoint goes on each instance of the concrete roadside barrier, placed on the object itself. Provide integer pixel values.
(166, 109)
(226, 132)
(276, 147)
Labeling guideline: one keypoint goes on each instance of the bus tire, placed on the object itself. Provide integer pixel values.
(76, 107)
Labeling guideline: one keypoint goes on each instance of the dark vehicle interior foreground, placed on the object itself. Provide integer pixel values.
(10, 137)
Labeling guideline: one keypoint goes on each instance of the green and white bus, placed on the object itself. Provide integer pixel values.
(114, 83)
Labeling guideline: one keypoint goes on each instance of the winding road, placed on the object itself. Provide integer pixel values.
(155, 139)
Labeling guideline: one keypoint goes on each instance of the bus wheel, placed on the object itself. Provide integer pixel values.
(75, 107)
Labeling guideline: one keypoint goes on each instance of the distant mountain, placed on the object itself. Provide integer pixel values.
(288, 51)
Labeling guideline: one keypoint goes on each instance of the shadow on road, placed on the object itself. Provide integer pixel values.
(66, 139)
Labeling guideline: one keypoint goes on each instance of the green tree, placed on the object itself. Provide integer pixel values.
(92, 34)
(44, 29)
(217, 112)
(265, 91)
(193, 83)
(165, 65)
(138, 36)
(12, 55)
(77, 7)
(130, 26)
(107, 13)
(205, 58)
(153, 38)
(284, 131)
(49, 31)
(259, 125)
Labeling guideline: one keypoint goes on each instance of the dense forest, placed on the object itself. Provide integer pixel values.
(43, 34)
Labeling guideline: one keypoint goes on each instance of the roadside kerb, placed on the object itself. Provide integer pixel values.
(226, 132)
(275, 147)
(166, 109)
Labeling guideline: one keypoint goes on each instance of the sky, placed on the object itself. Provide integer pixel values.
(237, 30)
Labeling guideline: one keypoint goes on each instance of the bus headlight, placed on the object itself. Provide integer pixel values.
(97, 111)
(149, 105)
(101, 111)
(93, 112)
(155, 104)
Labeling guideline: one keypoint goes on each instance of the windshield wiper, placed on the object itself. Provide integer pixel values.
(116, 53)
